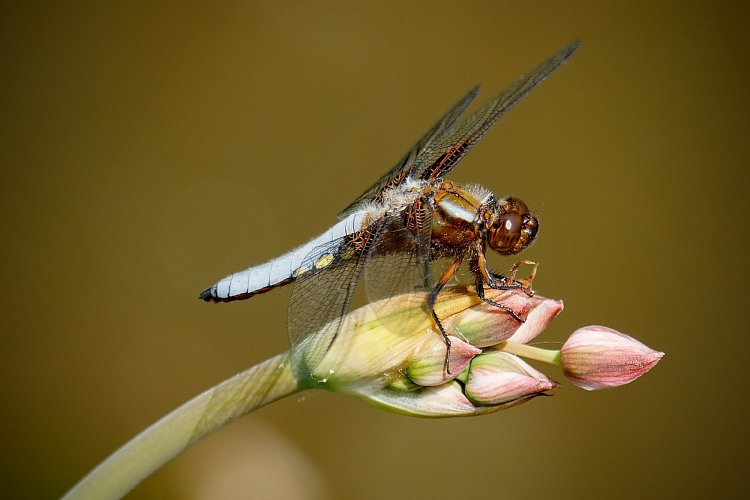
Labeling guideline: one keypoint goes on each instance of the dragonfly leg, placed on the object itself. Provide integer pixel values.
(432, 298)
(524, 282)
(480, 294)
(482, 276)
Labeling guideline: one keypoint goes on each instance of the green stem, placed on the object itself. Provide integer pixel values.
(530, 352)
(174, 433)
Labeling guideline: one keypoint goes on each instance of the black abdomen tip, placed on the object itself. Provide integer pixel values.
(209, 295)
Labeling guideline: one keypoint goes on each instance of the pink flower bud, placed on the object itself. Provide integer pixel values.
(485, 325)
(446, 400)
(597, 357)
(498, 377)
(543, 311)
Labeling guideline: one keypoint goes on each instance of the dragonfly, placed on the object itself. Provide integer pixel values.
(396, 233)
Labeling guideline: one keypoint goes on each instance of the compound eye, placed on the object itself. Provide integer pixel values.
(505, 233)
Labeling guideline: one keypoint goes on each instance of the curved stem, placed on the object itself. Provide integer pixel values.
(530, 352)
(165, 439)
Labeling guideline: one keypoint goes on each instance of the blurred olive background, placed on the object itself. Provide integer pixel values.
(149, 149)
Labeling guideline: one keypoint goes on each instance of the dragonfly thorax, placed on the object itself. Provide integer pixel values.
(456, 219)
(461, 215)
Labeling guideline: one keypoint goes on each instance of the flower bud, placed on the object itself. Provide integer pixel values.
(485, 325)
(597, 357)
(403, 384)
(428, 367)
(543, 311)
(498, 377)
(446, 400)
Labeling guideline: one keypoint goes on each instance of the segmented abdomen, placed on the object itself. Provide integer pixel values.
(283, 269)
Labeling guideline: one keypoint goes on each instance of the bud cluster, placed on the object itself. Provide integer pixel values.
(402, 366)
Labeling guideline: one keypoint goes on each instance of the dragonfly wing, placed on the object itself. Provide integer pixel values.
(403, 169)
(446, 151)
(320, 298)
(398, 265)
(393, 252)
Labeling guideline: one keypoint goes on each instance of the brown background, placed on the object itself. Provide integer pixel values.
(148, 150)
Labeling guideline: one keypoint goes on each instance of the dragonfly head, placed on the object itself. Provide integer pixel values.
(514, 228)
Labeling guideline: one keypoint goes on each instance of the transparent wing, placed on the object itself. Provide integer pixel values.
(395, 256)
(404, 167)
(320, 298)
(398, 265)
(444, 152)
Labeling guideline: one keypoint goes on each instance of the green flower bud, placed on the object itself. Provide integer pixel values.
(428, 368)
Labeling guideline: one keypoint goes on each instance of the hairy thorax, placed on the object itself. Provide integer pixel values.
(456, 214)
